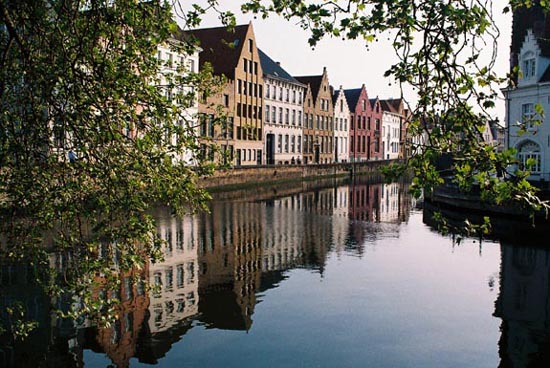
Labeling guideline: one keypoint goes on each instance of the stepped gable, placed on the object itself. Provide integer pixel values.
(534, 19)
(273, 69)
(314, 82)
(221, 47)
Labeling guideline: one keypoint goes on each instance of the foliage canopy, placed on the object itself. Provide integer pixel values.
(86, 70)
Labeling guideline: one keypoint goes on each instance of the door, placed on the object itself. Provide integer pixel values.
(270, 149)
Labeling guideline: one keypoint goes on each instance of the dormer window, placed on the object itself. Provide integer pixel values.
(528, 65)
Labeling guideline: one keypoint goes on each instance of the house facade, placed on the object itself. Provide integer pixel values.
(341, 126)
(238, 132)
(283, 114)
(174, 62)
(393, 119)
(527, 127)
(320, 128)
(361, 124)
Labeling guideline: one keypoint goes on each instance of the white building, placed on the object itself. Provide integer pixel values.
(341, 128)
(176, 63)
(175, 280)
(528, 130)
(389, 203)
(283, 239)
(283, 114)
(392, 121)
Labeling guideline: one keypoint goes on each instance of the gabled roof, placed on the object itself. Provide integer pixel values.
(393, 105)
(352, 96)
(272, 69)
(373, 102)
(314, 82)
(334, 93)
(221, 47)
(531, 18)
(546, 76)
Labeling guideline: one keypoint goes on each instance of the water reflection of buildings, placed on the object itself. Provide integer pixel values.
(524, 306)
(229, 258)
(283, 234)
(216, 263)
(174, 287)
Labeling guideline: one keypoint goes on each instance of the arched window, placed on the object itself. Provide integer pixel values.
(528, 65)
(529, 157)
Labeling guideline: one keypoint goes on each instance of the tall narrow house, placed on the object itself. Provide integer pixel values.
(527, 130)
(319, 131)
(341, 130)
(234, 55)
(393, 119)
(361, 132)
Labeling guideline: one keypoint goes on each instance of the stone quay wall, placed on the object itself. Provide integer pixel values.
(247, 176)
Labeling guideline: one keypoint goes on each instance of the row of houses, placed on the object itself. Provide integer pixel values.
(264, 115)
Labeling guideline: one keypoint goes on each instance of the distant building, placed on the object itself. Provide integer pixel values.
(319, 130)
(341, 126)
(363, 143)
(360, 140)
(376, 118)
(393, 119)
(234, 55)
(174, 61)
(527, 130)
(283, 114)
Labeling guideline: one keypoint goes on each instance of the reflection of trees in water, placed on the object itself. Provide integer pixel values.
(524, 306)
(214, 265)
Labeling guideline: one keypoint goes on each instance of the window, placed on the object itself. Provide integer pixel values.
(256, 68)
(529, 157)
(170, 60)
(250, 44)
(287, 113)
(299, 141)
(274, 114)
(299, 118)
(280, 144)
(245, 65)
(294, 96)
(192, 66)
(267, 90)
(226, 100)
(280, 115)
(286, 143)
(293, 117)
(267, 113)
(364, 105)
(528, 114)
(293, 144)
(528, 67)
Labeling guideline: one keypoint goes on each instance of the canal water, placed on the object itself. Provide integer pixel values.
(320, 275)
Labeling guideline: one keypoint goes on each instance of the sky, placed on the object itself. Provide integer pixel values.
(349, 63)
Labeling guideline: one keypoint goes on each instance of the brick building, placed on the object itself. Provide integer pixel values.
(238, 132)
(319, 130)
